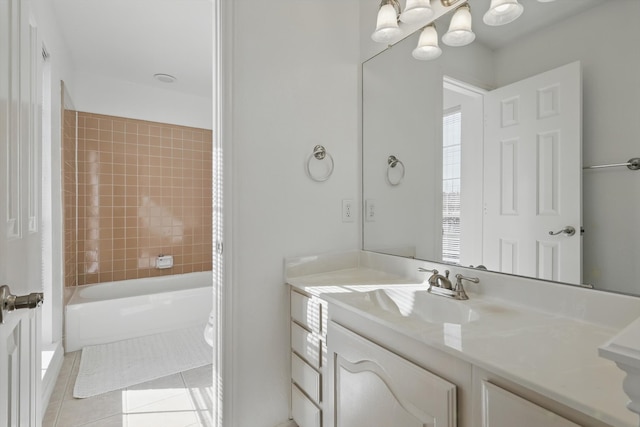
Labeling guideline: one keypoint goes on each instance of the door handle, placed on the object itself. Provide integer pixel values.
(10, 302)
(568, 230)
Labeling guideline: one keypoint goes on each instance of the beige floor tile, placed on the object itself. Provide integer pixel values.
(50, 415)
(158, 401)
(170, 381)
(113, 421)
(179, 400)
(64, 378)
(77, 412)
(199, 377)
(199, 383)
(201, 398)
(205, 419)
(164, 419)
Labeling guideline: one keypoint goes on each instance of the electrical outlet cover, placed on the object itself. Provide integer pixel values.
(348, 214)
(370, 210)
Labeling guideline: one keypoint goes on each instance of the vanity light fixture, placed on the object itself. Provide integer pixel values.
(427, 48)
(416, 11)
(387, 22)
(502, 12)
(460, 33)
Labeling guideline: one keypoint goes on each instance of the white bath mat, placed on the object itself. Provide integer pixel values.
(121, 364)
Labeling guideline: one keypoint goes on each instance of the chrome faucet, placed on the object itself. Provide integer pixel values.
(437, 280)
(441, 285)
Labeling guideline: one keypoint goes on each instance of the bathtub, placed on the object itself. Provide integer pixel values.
(108, 312)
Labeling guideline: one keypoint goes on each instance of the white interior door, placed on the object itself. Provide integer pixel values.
(20, 207)
(533, 176)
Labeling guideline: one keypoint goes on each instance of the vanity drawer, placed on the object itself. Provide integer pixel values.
(304, 412)
(305, 377)
(306, 311)
(306, 344)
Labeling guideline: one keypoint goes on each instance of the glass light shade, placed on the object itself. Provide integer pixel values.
(427, 48)
(387, 25)
(416, 11)
(460, 33)
(502, 12)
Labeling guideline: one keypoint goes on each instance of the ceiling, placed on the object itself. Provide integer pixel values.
(132, 40)
(537, 15)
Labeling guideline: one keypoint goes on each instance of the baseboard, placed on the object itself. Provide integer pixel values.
(52, 372)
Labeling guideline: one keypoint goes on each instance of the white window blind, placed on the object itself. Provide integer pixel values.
(451, 150)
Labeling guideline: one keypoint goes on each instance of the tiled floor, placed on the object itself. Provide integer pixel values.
(180, 400)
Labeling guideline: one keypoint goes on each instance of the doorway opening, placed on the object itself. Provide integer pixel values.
(462, 170)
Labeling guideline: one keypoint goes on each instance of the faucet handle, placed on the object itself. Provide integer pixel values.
(426, 270)
(460, 278)
(459, 289)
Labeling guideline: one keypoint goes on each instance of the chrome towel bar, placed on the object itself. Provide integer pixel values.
(633, 164)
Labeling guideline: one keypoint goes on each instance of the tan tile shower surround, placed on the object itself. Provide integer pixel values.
(69, 197)
(144, 189)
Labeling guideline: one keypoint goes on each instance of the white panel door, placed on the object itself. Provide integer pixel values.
(20, 247)
(372, 387)
(533, 176)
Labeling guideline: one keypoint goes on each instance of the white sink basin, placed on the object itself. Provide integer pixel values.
(421, 305)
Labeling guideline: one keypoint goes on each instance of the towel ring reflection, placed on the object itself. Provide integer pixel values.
(320, 153)
(392, 163)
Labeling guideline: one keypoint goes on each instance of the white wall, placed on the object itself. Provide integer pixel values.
(101, 94)
(294, 85)
(60, 70)
(605, 40)
(402, 115)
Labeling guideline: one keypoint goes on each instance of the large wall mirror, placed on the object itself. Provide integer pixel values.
(474, 158)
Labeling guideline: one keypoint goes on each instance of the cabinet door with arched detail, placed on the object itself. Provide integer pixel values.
(371, 387)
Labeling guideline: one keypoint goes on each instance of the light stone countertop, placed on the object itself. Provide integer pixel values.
(549, 353)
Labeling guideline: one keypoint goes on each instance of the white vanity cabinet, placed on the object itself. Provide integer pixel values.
(308, 357)
(373, 387)
(501, 408)
(376, 376)
(368, 385)
(502, 403)
(370, 348)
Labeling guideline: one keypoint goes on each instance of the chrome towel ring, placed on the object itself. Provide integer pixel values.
(320, 153)
(392, 163)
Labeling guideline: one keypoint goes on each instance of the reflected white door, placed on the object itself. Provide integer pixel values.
(20, 204)
(533, 176)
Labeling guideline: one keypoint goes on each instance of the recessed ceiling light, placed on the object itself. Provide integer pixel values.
(165, 78)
